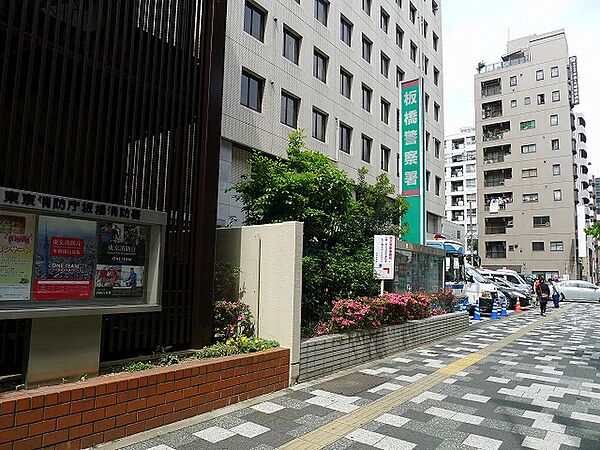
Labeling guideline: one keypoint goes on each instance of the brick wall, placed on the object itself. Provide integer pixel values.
(327, 354)
(79, 415)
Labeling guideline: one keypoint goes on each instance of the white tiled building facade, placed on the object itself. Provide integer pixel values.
(461, 180)
(332, 68)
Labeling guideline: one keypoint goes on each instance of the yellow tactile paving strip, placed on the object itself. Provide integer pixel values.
(337, 429)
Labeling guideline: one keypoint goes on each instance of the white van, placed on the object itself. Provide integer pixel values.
(478, 288)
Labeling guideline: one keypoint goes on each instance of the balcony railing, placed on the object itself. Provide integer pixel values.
(503, 64)
(493, 159)
(457, 189)
(493, 136)
(495, 229)
(495, 254)
(487, 114)
(491, 90)
(456, 174)
(501, 207)
(493, 183)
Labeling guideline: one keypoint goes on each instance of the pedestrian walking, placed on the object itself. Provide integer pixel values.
(555, 294)
(542, 292)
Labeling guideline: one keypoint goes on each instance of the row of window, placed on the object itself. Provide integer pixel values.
(539, 75)
(555, 246)
(254, 23)
(541, 99)
(532, 148)
(530, 124)
(533, 173)
(534, 197)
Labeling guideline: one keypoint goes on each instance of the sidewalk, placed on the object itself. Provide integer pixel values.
(489, 388)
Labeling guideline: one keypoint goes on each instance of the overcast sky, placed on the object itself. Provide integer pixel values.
(477, 30)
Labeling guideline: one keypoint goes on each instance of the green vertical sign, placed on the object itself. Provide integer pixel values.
(412, 162)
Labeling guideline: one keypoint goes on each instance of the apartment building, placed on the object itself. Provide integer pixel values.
(333, 69)
(460, 160)
(528, 159)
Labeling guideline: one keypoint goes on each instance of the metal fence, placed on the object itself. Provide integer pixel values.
(111, 100)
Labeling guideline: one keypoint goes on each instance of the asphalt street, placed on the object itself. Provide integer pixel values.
(524, 381)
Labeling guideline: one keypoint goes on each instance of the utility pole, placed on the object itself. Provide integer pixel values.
(471, 228)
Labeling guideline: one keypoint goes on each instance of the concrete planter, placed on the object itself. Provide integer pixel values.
(323, 355)
(79, 415)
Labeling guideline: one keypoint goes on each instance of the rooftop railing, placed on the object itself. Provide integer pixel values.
(503, 64)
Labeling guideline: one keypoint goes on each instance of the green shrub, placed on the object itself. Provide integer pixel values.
(236, 345)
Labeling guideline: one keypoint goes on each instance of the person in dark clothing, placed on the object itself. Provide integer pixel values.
(543, 295)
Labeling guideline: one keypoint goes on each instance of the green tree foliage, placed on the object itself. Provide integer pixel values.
(593, 230)
(340, 218)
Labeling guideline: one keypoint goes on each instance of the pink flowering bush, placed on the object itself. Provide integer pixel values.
(367, 312)
(232, 319)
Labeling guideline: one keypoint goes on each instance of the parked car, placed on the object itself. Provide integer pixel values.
(578, 290)
(511, 292)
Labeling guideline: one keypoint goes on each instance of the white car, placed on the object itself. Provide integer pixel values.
(577, 290)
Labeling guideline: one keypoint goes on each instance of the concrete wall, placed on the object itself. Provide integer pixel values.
(270, 259)
(327, 354)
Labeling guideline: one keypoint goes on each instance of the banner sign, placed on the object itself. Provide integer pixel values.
(17, 232)
(384, 250)
(412, 161)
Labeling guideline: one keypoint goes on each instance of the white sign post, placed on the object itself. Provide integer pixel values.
(384, 249)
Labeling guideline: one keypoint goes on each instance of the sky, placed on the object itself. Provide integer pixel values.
(477, 30)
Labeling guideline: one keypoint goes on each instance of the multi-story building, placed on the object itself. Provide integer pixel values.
(525, 151)
(461, 182)
(333, 69)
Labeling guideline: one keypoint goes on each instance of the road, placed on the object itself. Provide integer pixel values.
(521, 382)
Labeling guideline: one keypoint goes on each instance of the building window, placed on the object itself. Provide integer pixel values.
(412, 14)
(539, 75)
(555, 96)
(541, 99)
(527, 101)
(553, 120)
(530, 198)
(321, 11)
(425, 64)
(438, 185)
(556, 246)
(346, 31)
(384, 20)
(319, 124)
(289, 109)
(291, 45)
(399, 36)
(398, 165)
(385, 111)
(367, 93)
(555, 169)
(436, 111)
(367, 47)
(541, 221)
(427, 139)
(513, 80)
(555, 144)
(366, 6)
(434, 7)
(537, 246)
(345, 138)
(427, 179)
(437, 145)
(385, 65)
(513, 103)
(554, 72)
(529, 173)
(436, 76)
(436, 41)
(426, 102)
(469, 168)
(320, 63)
(471, 183)
(529, 148)
(366, 143)
(528, 125)
(397, 119)
(399, 76)
(413, 52)
(252, 91)
(385, 158)
(345, 83)
(254, 21)
(557, 195)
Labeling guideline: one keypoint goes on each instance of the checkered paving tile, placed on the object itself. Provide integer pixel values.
(541, 391)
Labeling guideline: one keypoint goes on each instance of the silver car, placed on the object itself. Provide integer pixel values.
(578, 290)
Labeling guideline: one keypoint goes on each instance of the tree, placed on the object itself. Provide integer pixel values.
(593, 230)
(340, 218)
